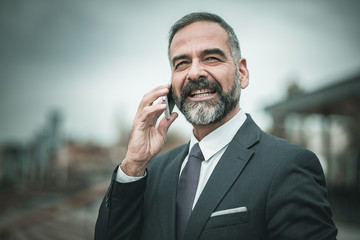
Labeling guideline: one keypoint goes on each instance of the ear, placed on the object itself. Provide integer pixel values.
(244, 73)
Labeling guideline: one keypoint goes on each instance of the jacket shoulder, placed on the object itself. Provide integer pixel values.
(282, 147)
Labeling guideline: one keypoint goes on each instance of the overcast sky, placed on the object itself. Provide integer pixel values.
(94, 60)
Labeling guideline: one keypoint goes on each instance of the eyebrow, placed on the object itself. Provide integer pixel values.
(216, 51)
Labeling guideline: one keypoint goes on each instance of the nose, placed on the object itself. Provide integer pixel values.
(196, 71)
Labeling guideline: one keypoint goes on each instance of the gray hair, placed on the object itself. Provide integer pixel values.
(210, 17)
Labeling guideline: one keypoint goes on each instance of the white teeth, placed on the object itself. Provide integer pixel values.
(202, 94)
(200, 91)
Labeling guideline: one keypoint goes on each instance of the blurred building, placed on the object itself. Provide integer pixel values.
(327, 122)
(33, 163)
(51, 184)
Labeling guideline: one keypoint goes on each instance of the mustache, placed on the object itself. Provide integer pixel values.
(200, 83)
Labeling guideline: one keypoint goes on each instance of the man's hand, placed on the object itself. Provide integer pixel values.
(146, 140)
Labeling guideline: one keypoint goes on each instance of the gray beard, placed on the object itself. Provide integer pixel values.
(210, 111)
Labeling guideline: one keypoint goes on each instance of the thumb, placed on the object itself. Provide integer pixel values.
(165, 124)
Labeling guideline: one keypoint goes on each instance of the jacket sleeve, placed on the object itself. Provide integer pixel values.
(121, 211)
(297, 206)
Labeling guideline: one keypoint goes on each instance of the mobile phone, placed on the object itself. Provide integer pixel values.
(170, 103)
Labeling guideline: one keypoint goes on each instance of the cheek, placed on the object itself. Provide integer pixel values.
(177, 82)
(225, 77)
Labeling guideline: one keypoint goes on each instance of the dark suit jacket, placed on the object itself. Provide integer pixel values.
(282, 186)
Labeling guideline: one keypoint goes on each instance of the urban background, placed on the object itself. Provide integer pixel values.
(73, 73)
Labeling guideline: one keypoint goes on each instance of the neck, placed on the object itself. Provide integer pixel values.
(201, 131)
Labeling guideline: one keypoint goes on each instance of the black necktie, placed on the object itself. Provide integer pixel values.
(187, 186)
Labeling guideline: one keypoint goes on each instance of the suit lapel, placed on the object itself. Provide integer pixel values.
(168, 187)
(224, 175)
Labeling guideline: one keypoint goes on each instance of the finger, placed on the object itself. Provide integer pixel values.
(150, 97)
(165, 123)
(151, 113)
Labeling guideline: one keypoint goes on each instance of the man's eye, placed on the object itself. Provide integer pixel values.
(181, 64)
(212, 59)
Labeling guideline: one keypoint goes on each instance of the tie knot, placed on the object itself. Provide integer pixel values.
(196, 152)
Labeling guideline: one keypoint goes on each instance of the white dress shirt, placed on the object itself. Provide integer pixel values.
(212, 146)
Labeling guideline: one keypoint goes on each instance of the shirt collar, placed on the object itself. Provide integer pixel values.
(220, 137)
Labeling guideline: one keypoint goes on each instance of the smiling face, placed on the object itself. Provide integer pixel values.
(205, 78)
